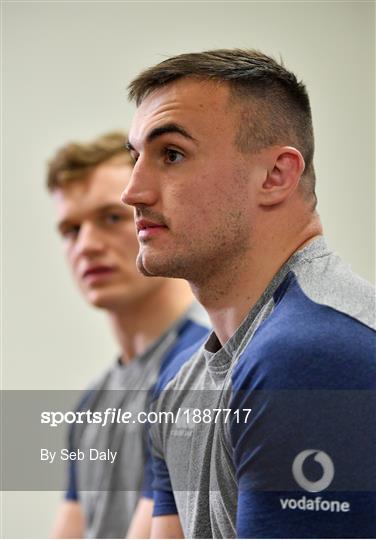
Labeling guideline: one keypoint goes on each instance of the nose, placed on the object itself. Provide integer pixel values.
(141, 188)
(89, 242)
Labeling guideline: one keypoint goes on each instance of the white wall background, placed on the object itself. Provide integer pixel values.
(65, 70)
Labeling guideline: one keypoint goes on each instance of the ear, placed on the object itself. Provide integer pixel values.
(285, 168)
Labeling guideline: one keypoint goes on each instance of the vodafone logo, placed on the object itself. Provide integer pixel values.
(317, 504)
(327, 470)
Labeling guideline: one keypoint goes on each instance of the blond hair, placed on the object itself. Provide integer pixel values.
(76, 160)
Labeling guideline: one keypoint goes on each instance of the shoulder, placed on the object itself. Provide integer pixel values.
(174, 373)
(192, 333)
(307, 344)
(95, 387)
(328, 280)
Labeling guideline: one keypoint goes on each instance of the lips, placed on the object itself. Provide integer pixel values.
(147, 228)
(142, 224)
(97, 273)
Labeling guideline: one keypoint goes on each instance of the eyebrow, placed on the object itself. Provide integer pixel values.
(162, 130)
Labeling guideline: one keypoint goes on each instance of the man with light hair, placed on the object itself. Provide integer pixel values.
(153, 319)
(277, 405)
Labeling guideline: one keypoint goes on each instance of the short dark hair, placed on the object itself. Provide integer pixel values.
(275, 106)
(76, 160)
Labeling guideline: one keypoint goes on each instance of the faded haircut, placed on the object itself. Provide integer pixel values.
(76, 160)
(274, 106)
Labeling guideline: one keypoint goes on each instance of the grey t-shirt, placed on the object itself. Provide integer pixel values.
(295, 377)
(108, 492)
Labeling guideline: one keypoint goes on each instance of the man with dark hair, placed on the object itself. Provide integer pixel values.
(273, 414)
(153, 319)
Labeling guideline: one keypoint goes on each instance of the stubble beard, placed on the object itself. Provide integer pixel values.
(197, 264)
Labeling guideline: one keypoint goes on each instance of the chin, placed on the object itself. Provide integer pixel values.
(104, 299)
(100, 302)
(144, 271)
(150, 267)
(160, 266)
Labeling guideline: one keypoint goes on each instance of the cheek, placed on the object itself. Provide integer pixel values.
(198, 193)
(73, 264)
(185, 194)
(126, 246)
(70, 256)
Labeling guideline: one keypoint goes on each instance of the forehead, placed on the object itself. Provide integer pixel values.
(102, 187)
(201, 107)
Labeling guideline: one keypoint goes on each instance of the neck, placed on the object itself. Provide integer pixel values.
(138, 325)
(229, 294)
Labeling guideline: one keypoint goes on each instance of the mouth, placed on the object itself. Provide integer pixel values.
(147, 229)
(96, 274)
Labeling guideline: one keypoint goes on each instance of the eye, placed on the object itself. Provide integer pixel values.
(112, 218)
(70, 232)
(173, 156)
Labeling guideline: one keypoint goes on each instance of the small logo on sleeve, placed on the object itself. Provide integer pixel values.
(314, 486)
